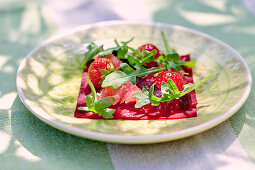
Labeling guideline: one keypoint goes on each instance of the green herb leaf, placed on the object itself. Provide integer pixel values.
(83, 108)
(153, 101)
(108, 51)
(190, 63)
(172, 57)
(93, 93)
(136, 52)
(106, 113)
(89, 100)
(174, 91)
(143, 97)
(93, 50)
(126, 68)
(117, 43)
(104, 102)
(148, 56)
(170, 61)
(133, 60)
(169, 49)
(105, 72)
(169, 92)
(98, 106)
(139, 58)
(117, 78)
(146, 97)
(122, 51)
(189, 87)
(128, 41)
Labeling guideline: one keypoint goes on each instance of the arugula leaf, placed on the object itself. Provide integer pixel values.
(143, 97)
(108, 51)
(169, 49)
(165, 92)
(146, 97)
(117, 78)
(189, 87)
(126, 68)
(122, 50)
(128, 41)
(136, 52)
(170, 61)
(93, 50)
(105, 72)
(153, 102)
(93, 93)
(172, 57)
(190, 63)
(140, 58)
(133, 60)
(98, 106)
(107, 113)
(148, 56)
(169, 92)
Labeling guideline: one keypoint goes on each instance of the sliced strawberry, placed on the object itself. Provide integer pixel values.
(165, 75)
(95, 74)
(150, 47)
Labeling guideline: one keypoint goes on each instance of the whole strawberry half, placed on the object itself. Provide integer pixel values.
(95, 74)
(150, 47)
(165, 75)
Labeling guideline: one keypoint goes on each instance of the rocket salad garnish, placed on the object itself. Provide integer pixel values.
(169, 92)
(117, 66)
(98, 106)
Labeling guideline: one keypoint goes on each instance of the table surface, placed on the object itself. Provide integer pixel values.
(28, 143)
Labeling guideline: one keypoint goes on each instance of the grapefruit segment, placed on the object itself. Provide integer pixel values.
(124, 94)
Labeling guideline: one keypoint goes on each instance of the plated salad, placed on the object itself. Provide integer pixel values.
(136, 84)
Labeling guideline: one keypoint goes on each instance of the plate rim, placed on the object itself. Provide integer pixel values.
(143, 139)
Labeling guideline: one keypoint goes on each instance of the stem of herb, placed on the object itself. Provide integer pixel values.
(93, 90)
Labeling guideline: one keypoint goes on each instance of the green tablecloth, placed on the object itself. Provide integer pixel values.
(28, 143)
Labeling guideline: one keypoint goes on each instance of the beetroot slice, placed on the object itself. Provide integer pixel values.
(185, 107)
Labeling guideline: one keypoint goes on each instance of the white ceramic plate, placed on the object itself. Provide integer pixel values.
(48, 81)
